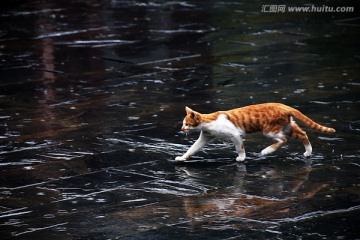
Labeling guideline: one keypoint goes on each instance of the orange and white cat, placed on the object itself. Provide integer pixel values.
(274, 120)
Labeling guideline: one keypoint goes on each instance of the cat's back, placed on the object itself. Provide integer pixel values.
(257, 113)
(256, 117)
(260, 108)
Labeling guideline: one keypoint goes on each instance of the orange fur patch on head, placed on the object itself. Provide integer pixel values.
(192, 118)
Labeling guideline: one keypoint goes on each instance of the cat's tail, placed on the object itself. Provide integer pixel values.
(310, 123)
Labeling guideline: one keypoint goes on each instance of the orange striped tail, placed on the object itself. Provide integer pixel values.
(310, 123)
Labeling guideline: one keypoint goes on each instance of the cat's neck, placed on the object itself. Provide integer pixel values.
(210, 117)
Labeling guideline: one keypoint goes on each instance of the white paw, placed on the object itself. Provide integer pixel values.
(307, 154)
(180, 159)
(308, 151)
(240, 158)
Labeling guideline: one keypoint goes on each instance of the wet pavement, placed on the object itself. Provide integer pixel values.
(92, 97)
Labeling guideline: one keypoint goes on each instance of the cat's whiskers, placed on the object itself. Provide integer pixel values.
(187, 135)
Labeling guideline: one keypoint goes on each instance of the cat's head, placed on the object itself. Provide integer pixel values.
(191, 121)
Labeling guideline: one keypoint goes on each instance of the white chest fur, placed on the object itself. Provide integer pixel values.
(222, 128)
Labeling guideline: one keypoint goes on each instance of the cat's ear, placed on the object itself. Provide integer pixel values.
(192, 113)
(188, 110)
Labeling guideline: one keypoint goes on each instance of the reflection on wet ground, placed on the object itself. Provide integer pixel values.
(92, 97)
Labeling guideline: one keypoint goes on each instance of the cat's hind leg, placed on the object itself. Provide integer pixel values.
(298, 133)
(279, 139)
(202, 140)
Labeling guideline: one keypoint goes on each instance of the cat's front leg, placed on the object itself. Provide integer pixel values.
(202, 140)
(240, 149)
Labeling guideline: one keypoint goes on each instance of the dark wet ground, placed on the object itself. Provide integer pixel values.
(92, 97)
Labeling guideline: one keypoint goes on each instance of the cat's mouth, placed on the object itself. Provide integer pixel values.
(185, 129)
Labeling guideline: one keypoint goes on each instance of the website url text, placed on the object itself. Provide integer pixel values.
(305, 9)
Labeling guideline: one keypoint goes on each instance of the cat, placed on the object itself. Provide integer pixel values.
(274, 120)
